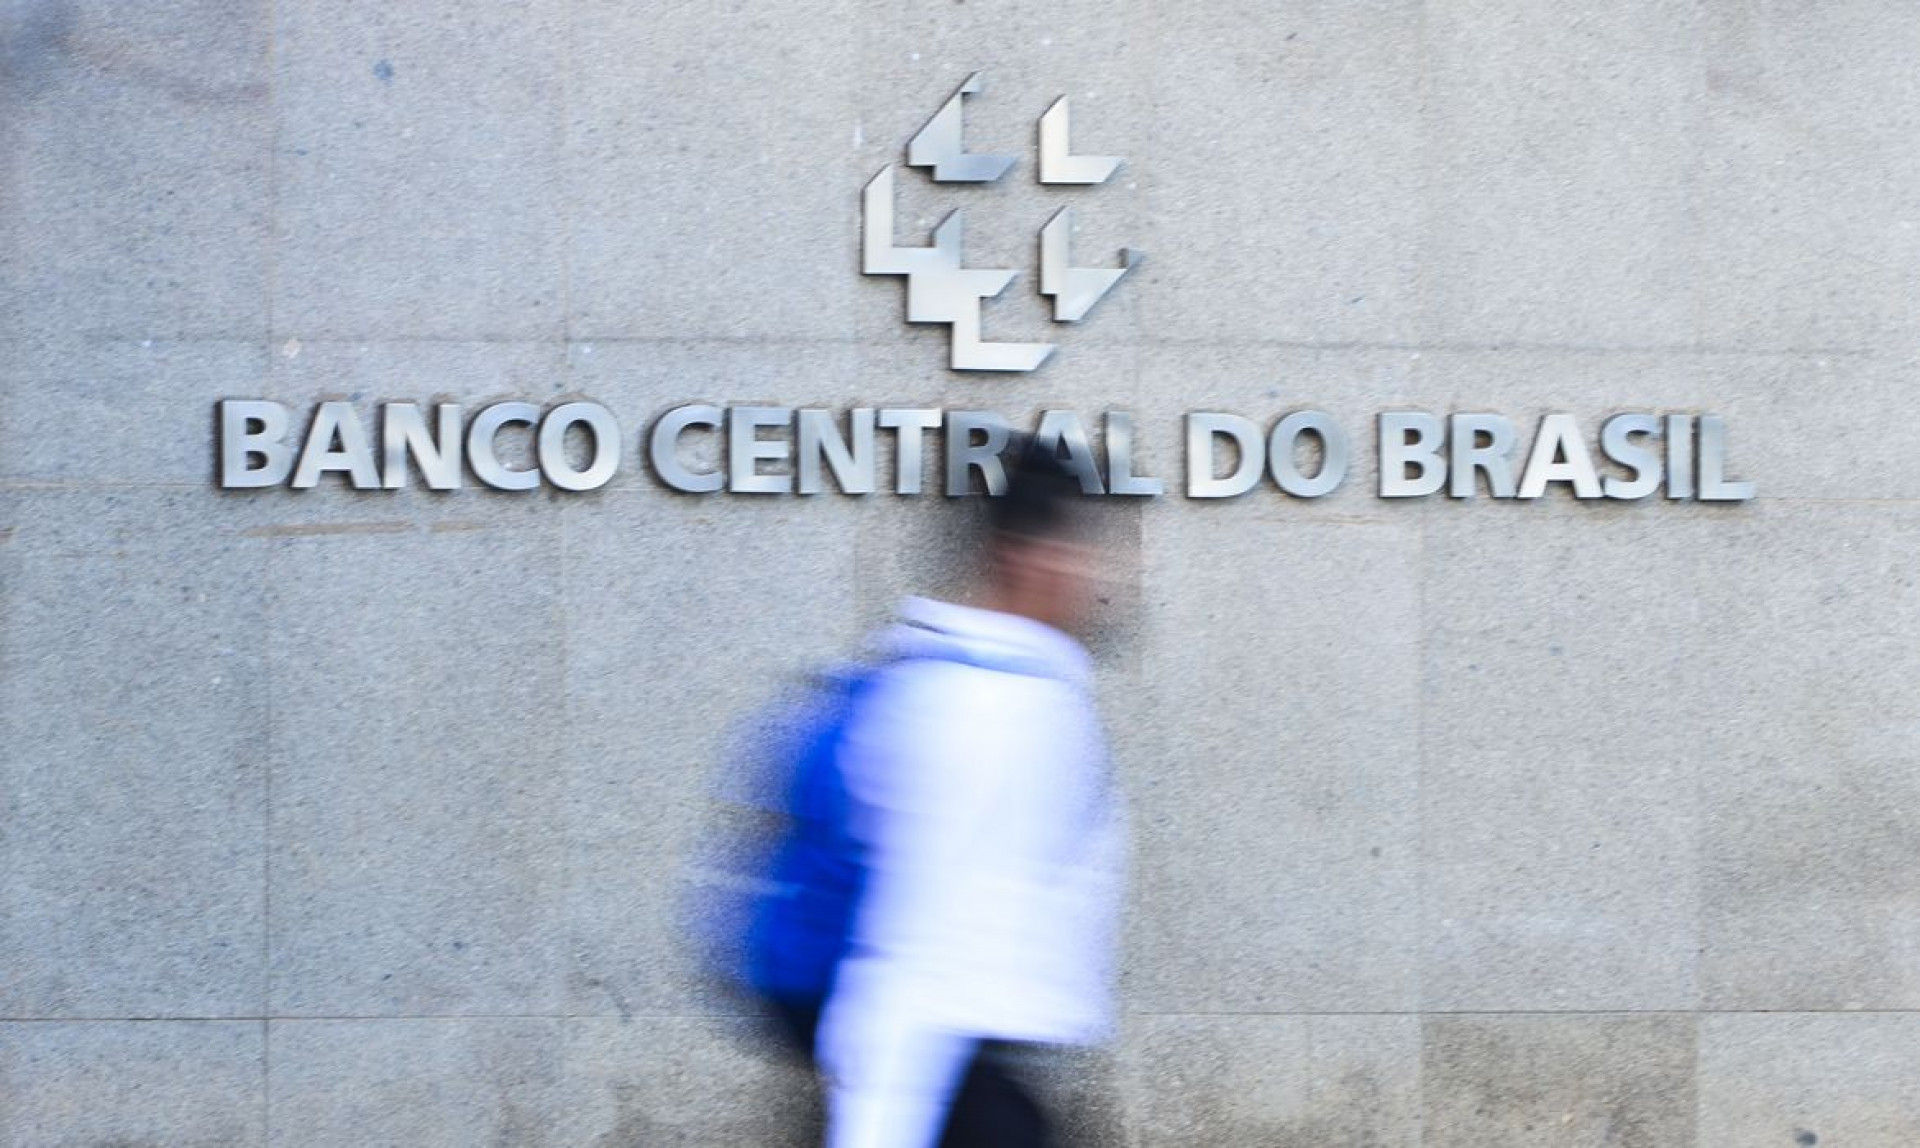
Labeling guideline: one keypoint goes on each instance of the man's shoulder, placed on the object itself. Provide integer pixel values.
(985, 674)
(936, 700)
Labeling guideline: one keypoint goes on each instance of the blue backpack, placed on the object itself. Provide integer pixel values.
(800, 923)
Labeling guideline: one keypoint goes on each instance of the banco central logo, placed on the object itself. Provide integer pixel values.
(940, 288)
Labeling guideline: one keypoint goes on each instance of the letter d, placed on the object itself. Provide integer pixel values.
(1204, 429)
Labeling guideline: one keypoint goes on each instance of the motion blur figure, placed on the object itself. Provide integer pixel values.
(981, 799)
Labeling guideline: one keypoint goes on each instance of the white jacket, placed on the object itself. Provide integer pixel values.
(996, 848)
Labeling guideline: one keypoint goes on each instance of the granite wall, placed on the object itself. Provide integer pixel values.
(344, 817)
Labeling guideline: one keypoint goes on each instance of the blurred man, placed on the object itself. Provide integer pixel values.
(992, 843)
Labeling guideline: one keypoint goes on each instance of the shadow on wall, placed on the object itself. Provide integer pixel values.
(39, 38)
(33, 34)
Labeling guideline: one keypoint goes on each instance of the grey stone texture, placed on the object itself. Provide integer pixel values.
(1301, 1079)
(1329, 922)
(411, 861)
(334, 817)
(462, 108)
(188, 1082)
(134, 729)
(125, 393)
(680, 120)
(138, 151)
(1809, 1078)
(442, 1080)
(1565, 1080)
(1283, 172)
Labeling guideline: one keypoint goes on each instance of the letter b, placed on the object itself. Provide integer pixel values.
(249, 429)
(1410, 439)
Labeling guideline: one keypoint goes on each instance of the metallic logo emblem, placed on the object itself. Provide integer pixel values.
(940, 289)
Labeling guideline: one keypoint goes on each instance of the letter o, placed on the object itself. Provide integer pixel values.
(1333, 454)
(603, 462)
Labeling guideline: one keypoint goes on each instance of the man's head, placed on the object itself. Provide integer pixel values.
(1041, 560)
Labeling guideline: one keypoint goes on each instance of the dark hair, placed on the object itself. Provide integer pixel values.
(1043, 497)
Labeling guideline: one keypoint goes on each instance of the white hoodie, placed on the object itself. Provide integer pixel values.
(996, 847)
